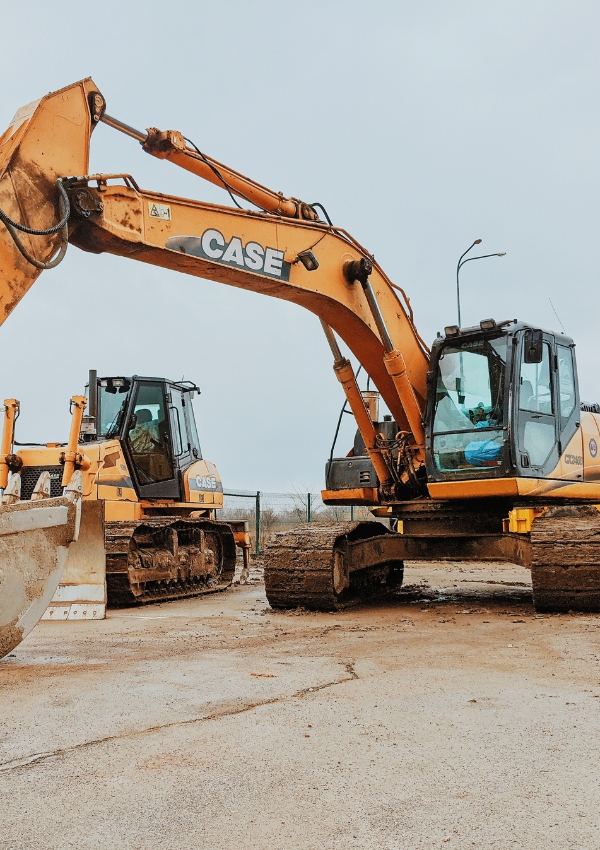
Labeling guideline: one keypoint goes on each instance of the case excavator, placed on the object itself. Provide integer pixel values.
(488, 452)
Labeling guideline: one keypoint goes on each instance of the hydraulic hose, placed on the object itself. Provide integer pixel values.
(13, 227)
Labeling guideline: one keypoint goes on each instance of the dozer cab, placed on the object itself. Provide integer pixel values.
(149, 501)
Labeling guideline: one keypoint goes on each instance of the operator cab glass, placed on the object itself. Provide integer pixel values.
(504, 403)
(154, 419)
(113, 394)
(469, 405)
(148, 435)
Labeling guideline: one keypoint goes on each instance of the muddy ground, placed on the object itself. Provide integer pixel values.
(449, 716)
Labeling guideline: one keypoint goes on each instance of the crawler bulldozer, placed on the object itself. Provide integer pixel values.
(489, 453)
(149, 501)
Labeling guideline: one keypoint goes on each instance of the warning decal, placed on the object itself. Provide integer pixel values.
(162, 211)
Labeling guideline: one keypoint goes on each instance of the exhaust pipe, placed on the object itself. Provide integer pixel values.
(93, 394)
(89, 424)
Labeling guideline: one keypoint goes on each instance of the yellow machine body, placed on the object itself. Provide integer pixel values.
(148, 501)
(456, 490)
(108, 480)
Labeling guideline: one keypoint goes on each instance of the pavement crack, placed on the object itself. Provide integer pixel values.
(38, 758)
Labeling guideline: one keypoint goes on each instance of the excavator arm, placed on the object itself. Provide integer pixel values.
(281, 249)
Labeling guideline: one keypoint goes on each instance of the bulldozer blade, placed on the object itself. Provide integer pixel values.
(47, 139)
(81, 594)
(34, 541)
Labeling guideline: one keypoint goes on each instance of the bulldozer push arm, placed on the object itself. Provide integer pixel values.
(282, 249)
(35, 535)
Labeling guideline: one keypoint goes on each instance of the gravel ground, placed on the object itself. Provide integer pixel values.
(449, 716)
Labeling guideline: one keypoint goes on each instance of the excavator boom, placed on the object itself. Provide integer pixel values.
(282, 251)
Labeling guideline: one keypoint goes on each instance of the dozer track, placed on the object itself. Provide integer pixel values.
(167, 558)
(329, 567)
(565, 560)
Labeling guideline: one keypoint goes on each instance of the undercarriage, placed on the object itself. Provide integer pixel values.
(329, 567)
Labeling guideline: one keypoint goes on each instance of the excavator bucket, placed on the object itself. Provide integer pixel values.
(34, 541)
(47, 140)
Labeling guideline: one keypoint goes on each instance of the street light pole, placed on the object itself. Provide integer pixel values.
(461, 263)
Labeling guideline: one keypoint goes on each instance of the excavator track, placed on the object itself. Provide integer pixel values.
(167, 558)
(565, 560)
(309, 567)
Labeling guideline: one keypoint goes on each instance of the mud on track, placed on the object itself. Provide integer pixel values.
(449, 716)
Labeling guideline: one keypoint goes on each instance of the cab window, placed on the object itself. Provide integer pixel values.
(535, 392)
(192, 430)
(537, 404)
(181, 443)
(566, 381)
(148, 435)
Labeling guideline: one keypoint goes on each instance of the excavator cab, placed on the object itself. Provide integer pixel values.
(503, 402)
(154, 420)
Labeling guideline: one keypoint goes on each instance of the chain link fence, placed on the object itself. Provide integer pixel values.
(267, 513)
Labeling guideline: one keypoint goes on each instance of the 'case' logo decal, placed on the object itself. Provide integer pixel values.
(251, 257)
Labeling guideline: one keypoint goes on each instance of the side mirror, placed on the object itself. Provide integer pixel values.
(533, 349)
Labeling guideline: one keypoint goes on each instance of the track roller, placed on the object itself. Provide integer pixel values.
(328, 567)
(167, 558)
(565, 560)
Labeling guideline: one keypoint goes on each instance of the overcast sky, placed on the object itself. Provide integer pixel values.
(419, 125)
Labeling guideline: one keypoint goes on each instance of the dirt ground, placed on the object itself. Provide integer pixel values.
(449, 716)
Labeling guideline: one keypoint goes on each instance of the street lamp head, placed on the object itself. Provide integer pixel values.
(461, 263)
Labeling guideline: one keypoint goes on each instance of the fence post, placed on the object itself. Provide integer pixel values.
(308, 507)
(257, 527)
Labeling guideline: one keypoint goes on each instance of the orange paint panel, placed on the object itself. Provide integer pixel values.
(590, 428)
(549, 488)
(358, 496)
(120, 511)
(476, 489)
(570, 464)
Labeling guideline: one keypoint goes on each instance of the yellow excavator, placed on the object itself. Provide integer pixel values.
(488, 453)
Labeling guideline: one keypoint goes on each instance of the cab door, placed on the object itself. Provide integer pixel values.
(178, 401)
(148, 442)
(569, 413)
(536, 406)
